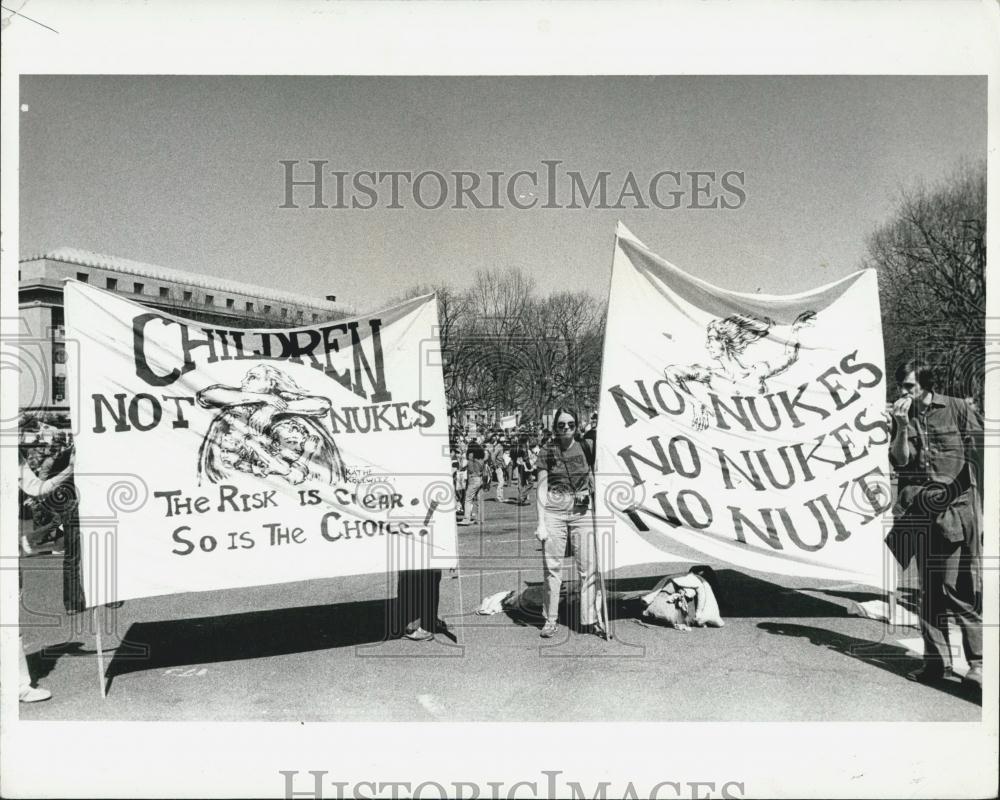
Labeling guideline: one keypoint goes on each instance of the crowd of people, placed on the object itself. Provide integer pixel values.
(500, 460)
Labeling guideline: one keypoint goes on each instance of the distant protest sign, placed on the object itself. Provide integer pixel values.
(743, 429)
(218, 458)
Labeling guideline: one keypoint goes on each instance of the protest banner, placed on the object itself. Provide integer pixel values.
(508, 421)
(743, 429)
(223, 458)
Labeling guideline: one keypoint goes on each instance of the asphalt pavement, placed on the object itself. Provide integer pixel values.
(790, 651)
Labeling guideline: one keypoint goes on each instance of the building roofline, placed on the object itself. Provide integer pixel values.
(86, 258)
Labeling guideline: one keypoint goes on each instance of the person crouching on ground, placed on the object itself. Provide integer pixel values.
(565, 484)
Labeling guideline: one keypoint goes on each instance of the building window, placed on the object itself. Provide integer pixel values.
(284, 312)
(138, 288)
(230, 303)
(209, 299)
(249, 306)
(187, 297)
(267, 309)
(112, 284)
(164, 292)
(83, 277)
(315, 317)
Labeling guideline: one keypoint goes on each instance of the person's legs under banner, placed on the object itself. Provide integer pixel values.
(429, 599)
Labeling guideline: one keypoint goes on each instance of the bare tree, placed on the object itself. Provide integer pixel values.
(498, 304)
(504, 349)
(561, 352)
(931, 263)
(539, 380)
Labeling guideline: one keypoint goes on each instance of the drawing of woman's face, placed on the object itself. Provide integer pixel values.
(291, 437)
(230, 443)
(713, 343)
(257, 380)
(230, 450)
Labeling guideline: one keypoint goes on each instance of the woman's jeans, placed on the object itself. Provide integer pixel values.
(472, 492)
(577, 529)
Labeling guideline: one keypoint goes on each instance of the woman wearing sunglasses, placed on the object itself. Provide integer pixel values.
(565, 484)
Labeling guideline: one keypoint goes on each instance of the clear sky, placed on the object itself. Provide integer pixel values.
(184, 172)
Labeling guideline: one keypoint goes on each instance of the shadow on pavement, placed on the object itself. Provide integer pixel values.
(42, 662)
(907, 597)
(257, 634)
(892, 658)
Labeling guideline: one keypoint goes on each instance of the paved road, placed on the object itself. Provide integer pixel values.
(314, 651)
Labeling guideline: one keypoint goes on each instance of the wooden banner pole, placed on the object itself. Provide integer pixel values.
(601, 587)
(100, 654)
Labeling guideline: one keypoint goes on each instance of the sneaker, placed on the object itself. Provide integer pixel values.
(974, 678)
(26, 548)
(35, 694)
(548, 630)
(419, 635)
